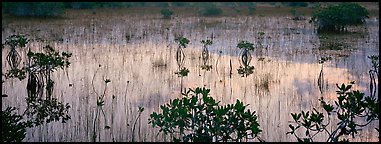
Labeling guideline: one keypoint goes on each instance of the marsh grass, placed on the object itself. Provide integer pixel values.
(290, 76)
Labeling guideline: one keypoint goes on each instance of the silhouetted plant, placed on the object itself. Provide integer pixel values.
(260, 39)
(166, 13)
(100, 104)
(197, 117)
(351, 108)
(182, 41)
(245, 69)
(205, 55)
(13, 126)
(321, 74)
(140, 110)
(372, 73)
(38, 69)
(13, 57)
(339, 17)
(180, 56)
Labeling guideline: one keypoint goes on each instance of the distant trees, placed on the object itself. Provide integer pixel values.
(210, 10)
(33, 8)
(166, 13)
(295, 4)
(58, 8)
(251, 9)
(338, 17)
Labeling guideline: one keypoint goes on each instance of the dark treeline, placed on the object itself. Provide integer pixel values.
(57, 8)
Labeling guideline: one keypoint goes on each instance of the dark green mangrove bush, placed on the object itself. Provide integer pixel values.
(336, 18)
(197, 117)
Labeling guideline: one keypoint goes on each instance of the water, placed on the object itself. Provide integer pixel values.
(130, 49)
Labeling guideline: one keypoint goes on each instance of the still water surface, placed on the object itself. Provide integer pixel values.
(138, 55)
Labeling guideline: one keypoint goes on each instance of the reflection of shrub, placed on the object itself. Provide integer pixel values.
(210, 11)
(332, 46)
(246, 70)
(159, 63)
(206, 67)
(265, 82)
(183, 72)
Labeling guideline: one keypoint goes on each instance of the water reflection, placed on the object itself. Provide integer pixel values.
(284, 79)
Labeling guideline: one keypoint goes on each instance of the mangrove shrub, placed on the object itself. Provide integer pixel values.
(338, 17)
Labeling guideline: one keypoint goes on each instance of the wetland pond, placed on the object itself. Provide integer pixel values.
(138, 55)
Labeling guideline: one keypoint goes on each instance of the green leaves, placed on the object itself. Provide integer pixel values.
(375, 61)
(13, 127)
(16, 41)
(203, 118)
(245, 45)
(295, 116)
(50, 60)
(245, 69)
(182, 41)
(335, 18)
(328, 108)
(350, 107)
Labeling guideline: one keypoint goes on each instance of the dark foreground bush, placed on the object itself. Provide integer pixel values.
(198, 117)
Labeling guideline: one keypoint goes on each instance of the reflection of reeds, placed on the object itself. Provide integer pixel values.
(141, 109)
(372, 84)
(159, 63)
(373, 74)
(321, 80)
(100, 104)
(321, 74)
(264, 82)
